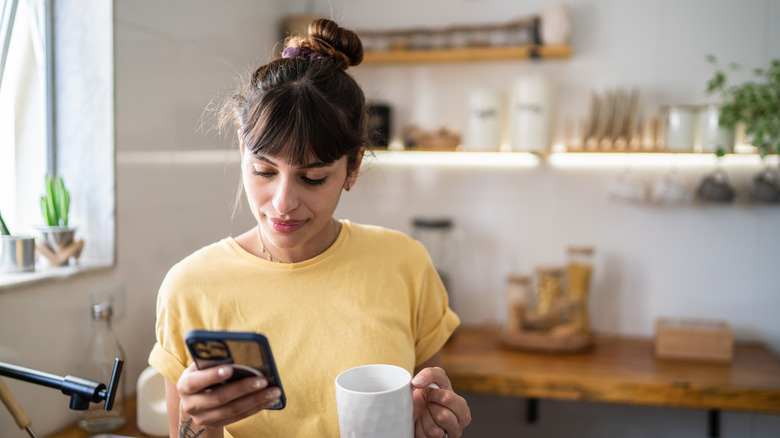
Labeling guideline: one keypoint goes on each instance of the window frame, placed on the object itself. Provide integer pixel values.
(80, 139)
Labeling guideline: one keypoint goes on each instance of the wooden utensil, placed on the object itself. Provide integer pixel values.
(20, 417)
(605, 120)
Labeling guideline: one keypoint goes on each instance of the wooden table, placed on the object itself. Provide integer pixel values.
(615, 370)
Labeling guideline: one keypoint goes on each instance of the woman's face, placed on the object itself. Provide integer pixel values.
(294, 204)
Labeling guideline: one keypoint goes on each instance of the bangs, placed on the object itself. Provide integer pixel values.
(297, 124)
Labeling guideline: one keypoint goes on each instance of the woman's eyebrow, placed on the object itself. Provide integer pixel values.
(315, 165)
(266, 160)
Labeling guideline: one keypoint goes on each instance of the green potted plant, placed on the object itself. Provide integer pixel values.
(57, 234)
(17, 253)
(756, 104)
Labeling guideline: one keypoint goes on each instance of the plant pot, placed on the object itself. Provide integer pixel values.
(56, 238)
(17, 254)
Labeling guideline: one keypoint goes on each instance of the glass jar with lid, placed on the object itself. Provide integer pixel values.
(579, 270)
(518, 296)
(438, 236)
(548, 289)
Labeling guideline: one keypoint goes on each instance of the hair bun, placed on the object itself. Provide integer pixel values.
(325, 36)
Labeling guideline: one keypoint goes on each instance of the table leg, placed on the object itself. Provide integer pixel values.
(714, 423)
(532, 410)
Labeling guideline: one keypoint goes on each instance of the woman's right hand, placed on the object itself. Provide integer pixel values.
(203, 407)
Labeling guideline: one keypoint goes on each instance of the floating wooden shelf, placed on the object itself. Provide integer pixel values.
(467, 54)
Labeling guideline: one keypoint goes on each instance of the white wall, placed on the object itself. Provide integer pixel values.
(173, 196)
(706, 261)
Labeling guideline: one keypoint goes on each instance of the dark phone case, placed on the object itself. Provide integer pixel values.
(212, 348)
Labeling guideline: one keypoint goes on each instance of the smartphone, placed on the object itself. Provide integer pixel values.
(249, 353)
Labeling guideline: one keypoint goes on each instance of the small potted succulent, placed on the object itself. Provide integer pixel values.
(55, 207)
(17, 253)
(756, 104)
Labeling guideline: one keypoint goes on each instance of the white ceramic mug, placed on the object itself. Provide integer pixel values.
(627, 187)
(672, 189)
(375, 401)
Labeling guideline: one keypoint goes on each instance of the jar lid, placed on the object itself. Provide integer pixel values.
(580, 249)
(549, 270)
(518, 278)
(421, 222)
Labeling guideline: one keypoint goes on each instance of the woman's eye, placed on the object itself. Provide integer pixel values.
(261, 173)
(313, 182)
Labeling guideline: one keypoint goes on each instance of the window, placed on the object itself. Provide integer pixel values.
(59, 61)
(23, 144)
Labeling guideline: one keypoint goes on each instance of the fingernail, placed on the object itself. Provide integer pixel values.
(273, 394)
(260, 383)
(224, 371)
(434, 386)
(418, 380)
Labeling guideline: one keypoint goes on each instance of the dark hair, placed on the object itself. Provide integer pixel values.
(306, 107)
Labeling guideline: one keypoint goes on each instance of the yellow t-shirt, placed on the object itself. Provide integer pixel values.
(372, 297)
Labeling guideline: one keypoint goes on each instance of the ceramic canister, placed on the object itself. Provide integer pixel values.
(711, 136)
(680, 128)
(483, 120)
(531, 113)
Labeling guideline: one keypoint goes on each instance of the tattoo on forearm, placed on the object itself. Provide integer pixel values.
(185, 429)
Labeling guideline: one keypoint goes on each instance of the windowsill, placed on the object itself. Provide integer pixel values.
(47, 273)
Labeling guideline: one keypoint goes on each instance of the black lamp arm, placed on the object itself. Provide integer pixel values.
(81, 391)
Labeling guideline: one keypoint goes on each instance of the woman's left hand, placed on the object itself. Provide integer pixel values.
(438, 412)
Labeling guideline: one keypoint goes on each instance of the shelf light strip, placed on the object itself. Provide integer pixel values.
(654, 159)
(457, 159)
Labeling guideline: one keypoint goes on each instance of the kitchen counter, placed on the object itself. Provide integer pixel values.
(129, 429)
(615, 370)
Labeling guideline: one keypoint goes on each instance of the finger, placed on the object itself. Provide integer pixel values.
(429, 425)
(193, 380)
(432, 375)
(419, 432)
(453, 404)
(216, 397)
(444, 418)
(240, 408)
(420, 402)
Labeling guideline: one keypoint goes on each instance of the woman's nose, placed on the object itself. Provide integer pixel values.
(285, 197)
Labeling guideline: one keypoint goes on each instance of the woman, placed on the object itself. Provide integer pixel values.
(329, 295)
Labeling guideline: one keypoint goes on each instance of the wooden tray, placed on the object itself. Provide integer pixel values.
(546, 342)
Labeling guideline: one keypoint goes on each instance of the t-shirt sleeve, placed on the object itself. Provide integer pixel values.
(168, 356)
(435, 320)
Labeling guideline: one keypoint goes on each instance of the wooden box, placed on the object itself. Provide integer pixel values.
(693, 339)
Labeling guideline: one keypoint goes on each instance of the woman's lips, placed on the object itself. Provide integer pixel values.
(284, 226)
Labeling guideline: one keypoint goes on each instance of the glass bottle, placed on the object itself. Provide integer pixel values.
(97, 364)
